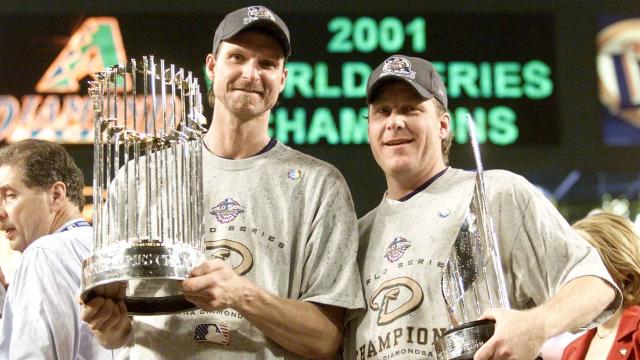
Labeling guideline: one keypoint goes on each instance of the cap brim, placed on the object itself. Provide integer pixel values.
(422, 92)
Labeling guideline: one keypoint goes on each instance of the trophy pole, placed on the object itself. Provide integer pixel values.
(472, 280)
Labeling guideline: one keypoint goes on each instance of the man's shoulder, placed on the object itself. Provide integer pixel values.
(507, 181)
(298, 160)
(78, 241)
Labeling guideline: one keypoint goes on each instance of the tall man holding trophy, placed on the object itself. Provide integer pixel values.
(280, 229)
(429, 275)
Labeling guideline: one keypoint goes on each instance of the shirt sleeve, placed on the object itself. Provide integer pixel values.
(545, 253)
(45, 315)
(330, 272)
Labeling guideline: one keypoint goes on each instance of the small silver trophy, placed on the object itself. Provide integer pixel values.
(147, 186)
(472, 279)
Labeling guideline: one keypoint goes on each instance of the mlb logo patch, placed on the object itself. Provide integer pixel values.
(212, 333)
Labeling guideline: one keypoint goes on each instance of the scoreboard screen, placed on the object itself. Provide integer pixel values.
(504, 78)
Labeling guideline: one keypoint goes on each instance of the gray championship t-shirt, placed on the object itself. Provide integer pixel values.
(403, 248)
(283, 220)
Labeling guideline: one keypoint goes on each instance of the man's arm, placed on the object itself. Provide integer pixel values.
(307, 329)
(43, 306)
(520, 334)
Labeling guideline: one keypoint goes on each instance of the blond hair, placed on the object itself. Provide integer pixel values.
(445, 145)
(618, 243)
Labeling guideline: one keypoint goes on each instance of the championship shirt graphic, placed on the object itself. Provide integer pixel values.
(396, 249)
(227, 210)
(213, 333)
(237, 255)
(399, 66)
(396, 298)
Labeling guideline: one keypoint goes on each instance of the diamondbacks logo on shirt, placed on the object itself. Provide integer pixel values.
(258, 12)
(396, 249)
(396, 298)
(237, 255)
(227, 210)
(213, 333)
(399, 66)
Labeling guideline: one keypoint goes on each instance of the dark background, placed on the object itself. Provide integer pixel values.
(566, 137)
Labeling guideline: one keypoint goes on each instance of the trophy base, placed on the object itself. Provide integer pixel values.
(462, 342)
(146, 275)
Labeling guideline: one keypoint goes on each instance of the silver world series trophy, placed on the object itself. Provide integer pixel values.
(472, 279)
(147, 186)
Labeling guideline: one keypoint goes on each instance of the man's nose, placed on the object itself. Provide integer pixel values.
(396, 122)
(251, 71)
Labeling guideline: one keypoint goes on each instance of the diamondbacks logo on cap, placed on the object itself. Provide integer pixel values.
(227, 210)
(258, 12)
(399, 66)
(213, 333)
(396, 249)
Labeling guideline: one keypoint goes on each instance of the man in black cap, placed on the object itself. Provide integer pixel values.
(281, 228)
(406, 240)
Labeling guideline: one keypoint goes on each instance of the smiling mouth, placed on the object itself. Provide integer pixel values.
(250, 91)
(398, 142)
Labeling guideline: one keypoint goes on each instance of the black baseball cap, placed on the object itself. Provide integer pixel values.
(418, 73)
(253, 17)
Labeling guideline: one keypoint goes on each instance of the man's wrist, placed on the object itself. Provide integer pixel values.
(250, 298)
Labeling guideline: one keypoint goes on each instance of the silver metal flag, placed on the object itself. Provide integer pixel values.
(472, 280)
(147, 186)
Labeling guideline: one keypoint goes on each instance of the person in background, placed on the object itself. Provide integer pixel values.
(40, 203)
(618, 243)
(3, 290)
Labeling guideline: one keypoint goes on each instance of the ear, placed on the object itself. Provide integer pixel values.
(283, 79)
(211, 63)
(58, 192)
(445, 125)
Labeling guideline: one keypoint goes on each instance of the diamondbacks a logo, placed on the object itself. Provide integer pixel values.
(227, 210)
(258, 12)
(213, 333)
(397, 65)
(237, 255)
(396, 298)
(618, 64)
(95, 45)
(396, 249)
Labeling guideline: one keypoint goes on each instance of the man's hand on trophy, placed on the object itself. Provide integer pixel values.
(108, 320)
(518, 335)
(214, 285)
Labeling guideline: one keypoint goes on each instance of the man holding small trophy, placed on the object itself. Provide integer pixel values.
(458, 264)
